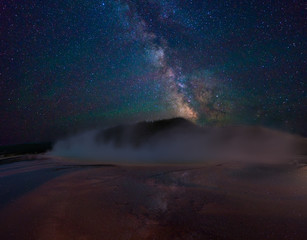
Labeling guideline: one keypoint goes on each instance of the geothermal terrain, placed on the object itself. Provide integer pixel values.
(167, 179)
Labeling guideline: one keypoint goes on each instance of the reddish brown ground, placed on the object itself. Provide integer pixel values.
(228, 201)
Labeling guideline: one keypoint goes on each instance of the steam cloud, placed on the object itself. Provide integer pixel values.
(180, 144)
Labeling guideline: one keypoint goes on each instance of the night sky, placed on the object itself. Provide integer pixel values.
(67, 65)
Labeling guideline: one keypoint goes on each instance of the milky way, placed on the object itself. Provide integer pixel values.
(69, 65)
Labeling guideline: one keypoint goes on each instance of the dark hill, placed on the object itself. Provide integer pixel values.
(28, 148)
(140, 133)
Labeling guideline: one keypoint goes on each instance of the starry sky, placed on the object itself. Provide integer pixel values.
(67, 65)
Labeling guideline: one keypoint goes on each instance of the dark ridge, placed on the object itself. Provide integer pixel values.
(140, 133)
(29, 148)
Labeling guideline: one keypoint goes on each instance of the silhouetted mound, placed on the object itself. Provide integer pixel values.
(29, 148)
(141, 133)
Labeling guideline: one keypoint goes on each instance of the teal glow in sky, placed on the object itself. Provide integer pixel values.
(69, 65)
